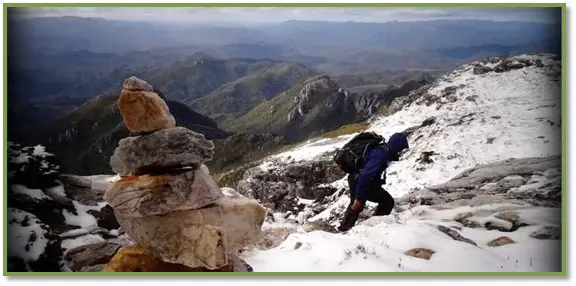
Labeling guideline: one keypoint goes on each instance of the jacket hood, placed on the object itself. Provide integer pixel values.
(397, 143)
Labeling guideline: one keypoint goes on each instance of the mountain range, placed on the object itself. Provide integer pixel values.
(284, 82)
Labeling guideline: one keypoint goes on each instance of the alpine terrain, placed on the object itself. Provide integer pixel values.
(482, 179)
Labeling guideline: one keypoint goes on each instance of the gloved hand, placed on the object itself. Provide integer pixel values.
(357, 206)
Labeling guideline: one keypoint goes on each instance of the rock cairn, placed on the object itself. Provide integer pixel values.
(166, 199)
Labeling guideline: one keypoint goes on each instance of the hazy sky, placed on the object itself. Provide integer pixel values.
(232, 14)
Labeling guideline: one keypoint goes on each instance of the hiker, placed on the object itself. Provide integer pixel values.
(366, 174)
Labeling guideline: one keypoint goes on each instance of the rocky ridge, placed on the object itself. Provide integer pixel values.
(474, 165)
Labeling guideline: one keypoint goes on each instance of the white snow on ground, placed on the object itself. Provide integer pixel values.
(518, 111)
(74, 233)
(379, 245)
(40, 151)
(68, 244)
(518, 97)
(83, 219)
(314, 148)
(22, 158)
(25, 235)
(35, 194)
(57, 191)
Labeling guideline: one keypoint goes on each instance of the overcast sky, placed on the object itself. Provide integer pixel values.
(254, 15)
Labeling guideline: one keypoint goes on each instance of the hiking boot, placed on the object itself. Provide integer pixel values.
(382, 210)
(348, 221)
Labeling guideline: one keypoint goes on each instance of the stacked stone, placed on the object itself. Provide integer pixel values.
(166, 199)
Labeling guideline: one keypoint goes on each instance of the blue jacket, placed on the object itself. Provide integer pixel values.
(376, 162)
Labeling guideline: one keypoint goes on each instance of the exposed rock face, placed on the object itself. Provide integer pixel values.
(311, 93)
(535, 180)
(143, 110)
(168, 148)
(368, 103)
(281, 186)
(105, 218)
(149, 195)
(455, 235)
(90, 255)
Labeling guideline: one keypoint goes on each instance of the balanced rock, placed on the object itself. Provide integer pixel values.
(167, 148)
(149, 195)
(143, 110)
(202, 237)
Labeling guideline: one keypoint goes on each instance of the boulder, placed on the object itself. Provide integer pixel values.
(547, 232)
(503, 240)
(168, 148)
(422, 253)
(136, 258)
(144, 111)
(149, 195)
(455, 235)
(202, 237)
(90, 255)
(105, 218)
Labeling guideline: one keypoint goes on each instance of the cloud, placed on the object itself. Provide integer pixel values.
(277, 14)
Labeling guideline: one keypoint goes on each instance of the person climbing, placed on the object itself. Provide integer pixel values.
(365, 158)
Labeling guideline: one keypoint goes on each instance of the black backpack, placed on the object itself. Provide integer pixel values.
(351, 156)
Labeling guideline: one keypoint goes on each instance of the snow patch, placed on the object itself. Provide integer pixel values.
(40, 151)
(57, 191)
(35, 194)
(83, 218)
(69, 244)
(20, 159)
(26, 235)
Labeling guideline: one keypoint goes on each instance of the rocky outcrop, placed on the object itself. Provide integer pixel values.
(143, 110)
(369, 103)
(314, 90)
(280, 188)
(168, 203)
(501, 65)
(533, 180)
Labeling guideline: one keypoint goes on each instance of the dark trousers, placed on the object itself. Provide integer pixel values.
(375, 193)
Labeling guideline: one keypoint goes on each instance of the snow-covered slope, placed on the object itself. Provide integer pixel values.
(481, 113)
